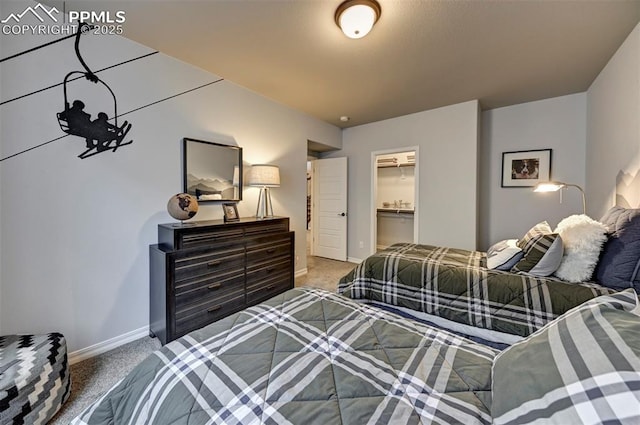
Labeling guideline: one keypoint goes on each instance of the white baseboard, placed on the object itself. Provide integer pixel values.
(115, 342)
(354, 260)
(110, 344)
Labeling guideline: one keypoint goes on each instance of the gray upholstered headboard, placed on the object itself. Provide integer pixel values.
(628, 189)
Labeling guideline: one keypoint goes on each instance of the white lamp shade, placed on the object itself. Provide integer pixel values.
(236, 176)
(548, 187)
(264, 175)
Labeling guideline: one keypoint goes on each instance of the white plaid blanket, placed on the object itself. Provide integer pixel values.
(306, 357)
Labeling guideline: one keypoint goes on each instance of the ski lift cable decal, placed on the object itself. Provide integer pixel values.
(125, 113)
(77, 78)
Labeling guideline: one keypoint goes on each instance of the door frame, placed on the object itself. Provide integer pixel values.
(310, 233)
(374, 194)
(314, 206)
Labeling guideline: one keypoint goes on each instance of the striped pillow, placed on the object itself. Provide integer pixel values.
(542, 255)
(541, 228)
(583, 367)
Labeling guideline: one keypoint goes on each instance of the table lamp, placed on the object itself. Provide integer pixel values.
(265, 177)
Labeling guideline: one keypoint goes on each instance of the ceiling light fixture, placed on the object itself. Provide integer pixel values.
(356, 17)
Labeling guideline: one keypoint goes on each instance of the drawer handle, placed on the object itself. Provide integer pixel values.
(214, 309)
(270, 270)
(271, 250)
(269, 288)
(215, 286)
(213, 263)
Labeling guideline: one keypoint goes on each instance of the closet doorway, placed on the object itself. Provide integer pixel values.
(394, 201)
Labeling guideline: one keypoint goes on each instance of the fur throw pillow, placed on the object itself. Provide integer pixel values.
(583, 239)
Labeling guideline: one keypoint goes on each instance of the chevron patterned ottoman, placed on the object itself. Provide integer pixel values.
(34, 378)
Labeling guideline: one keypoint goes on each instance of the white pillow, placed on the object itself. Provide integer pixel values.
(583, 239)
(504, 255)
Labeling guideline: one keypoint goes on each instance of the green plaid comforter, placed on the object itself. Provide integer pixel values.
(456, 285)
(306, 356)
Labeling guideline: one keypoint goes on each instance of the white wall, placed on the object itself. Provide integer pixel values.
(75, 244)
(613, 126)
(394, 228)
(396, 184)
(558, 123)
(447, 138)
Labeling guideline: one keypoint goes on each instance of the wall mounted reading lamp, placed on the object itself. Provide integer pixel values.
(556, 186)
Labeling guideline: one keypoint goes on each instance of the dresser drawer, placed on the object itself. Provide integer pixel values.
(211, 286)
(259, 242)
(262, 271)
(279, 246)
(266, 227)
(202, 238)
(207, 262)
(201, 314)
(268, 288)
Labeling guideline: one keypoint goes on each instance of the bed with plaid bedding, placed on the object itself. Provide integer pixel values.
(456, 285)
(306, 356)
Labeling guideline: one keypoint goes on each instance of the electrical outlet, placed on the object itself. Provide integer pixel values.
(361, 244)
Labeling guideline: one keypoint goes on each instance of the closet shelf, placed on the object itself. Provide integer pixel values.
(396, 210)
(391, 165)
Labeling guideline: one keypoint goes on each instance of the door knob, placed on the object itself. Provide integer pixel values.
(342, 214)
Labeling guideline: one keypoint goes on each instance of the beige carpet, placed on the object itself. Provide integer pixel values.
(324, 273)
(93, 377)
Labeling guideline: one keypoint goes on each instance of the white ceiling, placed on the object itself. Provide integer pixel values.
(422, 54)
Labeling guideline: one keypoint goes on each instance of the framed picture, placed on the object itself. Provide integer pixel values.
(230, 210)
(211, 171)
(526, 168)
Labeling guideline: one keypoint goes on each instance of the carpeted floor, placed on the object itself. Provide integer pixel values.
(324, 273)
(91, 378)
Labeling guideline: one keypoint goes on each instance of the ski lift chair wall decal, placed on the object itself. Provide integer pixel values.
(102, 133)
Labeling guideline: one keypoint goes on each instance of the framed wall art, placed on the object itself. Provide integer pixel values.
(526, 168)
(212, 171)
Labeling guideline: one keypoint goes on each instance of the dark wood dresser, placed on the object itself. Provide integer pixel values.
(203, 271)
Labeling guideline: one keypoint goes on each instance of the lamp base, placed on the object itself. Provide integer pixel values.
(265, 206)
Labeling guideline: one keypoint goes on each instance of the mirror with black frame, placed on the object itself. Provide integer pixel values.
(212, 171)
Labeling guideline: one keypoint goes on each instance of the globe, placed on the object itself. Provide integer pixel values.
(182, 206)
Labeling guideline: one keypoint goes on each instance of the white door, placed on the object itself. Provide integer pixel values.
(330, 208)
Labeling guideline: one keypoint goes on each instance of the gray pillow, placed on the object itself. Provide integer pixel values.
(504, 255)
(620, 259)
(585, 365)
(541, 228)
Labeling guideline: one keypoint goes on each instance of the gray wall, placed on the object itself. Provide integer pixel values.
(75, 242)
(613, 110)
(557, 123)
(447, 139)
(73, 245)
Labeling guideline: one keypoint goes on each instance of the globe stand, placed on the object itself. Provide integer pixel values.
(183, 223)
